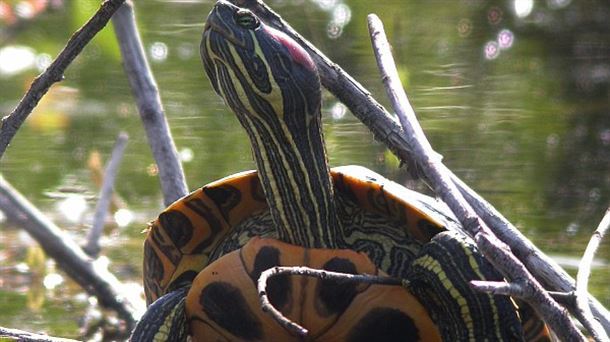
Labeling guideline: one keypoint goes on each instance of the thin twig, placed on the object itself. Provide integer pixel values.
(103, 203)
(582, 280)
(66, 253)
(385, 129)
(567, 300)
(498, 288)
(54, 73)
(25, 336)
(495, 250)
(316, 273)
(144, 88)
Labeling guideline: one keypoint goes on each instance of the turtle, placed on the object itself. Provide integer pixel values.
(203, 254)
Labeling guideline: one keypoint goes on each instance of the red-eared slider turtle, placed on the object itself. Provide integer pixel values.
(204, 253)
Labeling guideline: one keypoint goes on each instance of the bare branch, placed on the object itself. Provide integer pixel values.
(438, 175)
(498, 288)
(385, 129)
(24, 336)
(582, 280)
(144, 88)
(103, 203)
(291, 326)
(68, 255)
(54, 73)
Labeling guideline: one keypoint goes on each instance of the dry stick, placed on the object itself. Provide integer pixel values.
(495, 250)
(285, 322)
(103, 203)
(498, 288)
(68, 255)
(385, 129)
(54, 73)
(516, 290)
(582, 280)
(24, 336)
(144, 88)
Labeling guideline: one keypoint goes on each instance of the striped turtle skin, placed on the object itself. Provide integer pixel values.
(295, 205)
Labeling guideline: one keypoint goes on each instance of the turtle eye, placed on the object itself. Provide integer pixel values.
(246, 20)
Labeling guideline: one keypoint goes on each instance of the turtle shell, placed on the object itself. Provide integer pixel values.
(223, 303)
(229, 219)
(379, 217)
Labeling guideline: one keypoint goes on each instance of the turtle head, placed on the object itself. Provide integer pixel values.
(272, 85)
(260, 72)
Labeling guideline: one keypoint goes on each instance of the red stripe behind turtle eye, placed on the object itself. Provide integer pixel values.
(298, 54)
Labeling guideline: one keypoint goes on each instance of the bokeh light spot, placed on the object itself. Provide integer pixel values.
(495, 15)
(158, 51)
(523, 8)
(492, 50)
(123, 217)
(505, 39)
(73, 207)
(464, 27)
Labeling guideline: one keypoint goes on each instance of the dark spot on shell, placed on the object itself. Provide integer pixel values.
(428, 228)
(198, 206)
(177, 226)
(153, 268)
(225, 305)
(257, 190)
(337, 295)
(384, 324)
(278, 287)
(225, 196)
(153, 272)
(185, 279)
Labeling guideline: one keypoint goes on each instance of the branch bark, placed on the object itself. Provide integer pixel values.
(92, 248)
(582, 280)
(385, 129)
(69, 256)
(146, 93)
(54, 73)
(285, 322)
(24, 336)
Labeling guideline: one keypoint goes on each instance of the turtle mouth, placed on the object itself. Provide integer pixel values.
(220, 21)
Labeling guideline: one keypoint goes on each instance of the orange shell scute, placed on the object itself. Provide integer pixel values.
(234, 271)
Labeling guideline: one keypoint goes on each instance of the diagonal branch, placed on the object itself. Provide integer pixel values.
(68, 255)
(144, 88)
(54, 73)
(582, 280)
(496, 251)
(103, 203)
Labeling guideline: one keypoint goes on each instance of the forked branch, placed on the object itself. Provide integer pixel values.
(284, 321)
